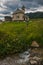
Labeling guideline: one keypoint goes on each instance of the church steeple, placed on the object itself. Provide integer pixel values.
(23, 8)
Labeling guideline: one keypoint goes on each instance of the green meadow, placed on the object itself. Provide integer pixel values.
(15, 37)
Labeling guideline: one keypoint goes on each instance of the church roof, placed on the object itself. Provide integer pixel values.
(18, 11)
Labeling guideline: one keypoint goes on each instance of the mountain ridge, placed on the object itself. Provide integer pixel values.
(35, 15)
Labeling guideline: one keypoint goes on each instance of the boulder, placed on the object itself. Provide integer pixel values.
(32, 62)
(34, 44)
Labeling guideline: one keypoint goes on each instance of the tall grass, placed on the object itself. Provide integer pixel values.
(16, 37)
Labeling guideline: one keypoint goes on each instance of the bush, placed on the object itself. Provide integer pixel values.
(10, 45)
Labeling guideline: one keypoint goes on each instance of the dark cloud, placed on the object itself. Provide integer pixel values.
(27, 0)
(40, 2)
(37, 1)
(30, 3)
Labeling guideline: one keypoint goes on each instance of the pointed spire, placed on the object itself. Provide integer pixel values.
(23, 7)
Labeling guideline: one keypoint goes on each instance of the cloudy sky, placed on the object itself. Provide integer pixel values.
(8, 6)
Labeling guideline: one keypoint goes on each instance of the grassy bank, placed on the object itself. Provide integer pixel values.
(17, 36)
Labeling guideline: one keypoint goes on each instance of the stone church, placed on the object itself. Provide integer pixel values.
(19, 15)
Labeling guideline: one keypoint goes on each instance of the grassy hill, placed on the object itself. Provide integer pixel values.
(16, 37)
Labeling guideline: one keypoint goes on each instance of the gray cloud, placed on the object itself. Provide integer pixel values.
(40, 2)
(37, 1)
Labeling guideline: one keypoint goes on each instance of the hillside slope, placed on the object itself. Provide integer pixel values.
(35, 15)
(16, 37)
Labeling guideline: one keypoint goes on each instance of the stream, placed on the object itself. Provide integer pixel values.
(25, 58)
(22, 59)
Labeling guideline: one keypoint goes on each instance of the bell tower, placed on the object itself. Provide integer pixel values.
(23, 8)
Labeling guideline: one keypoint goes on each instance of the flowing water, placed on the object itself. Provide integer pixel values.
(22, 59)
